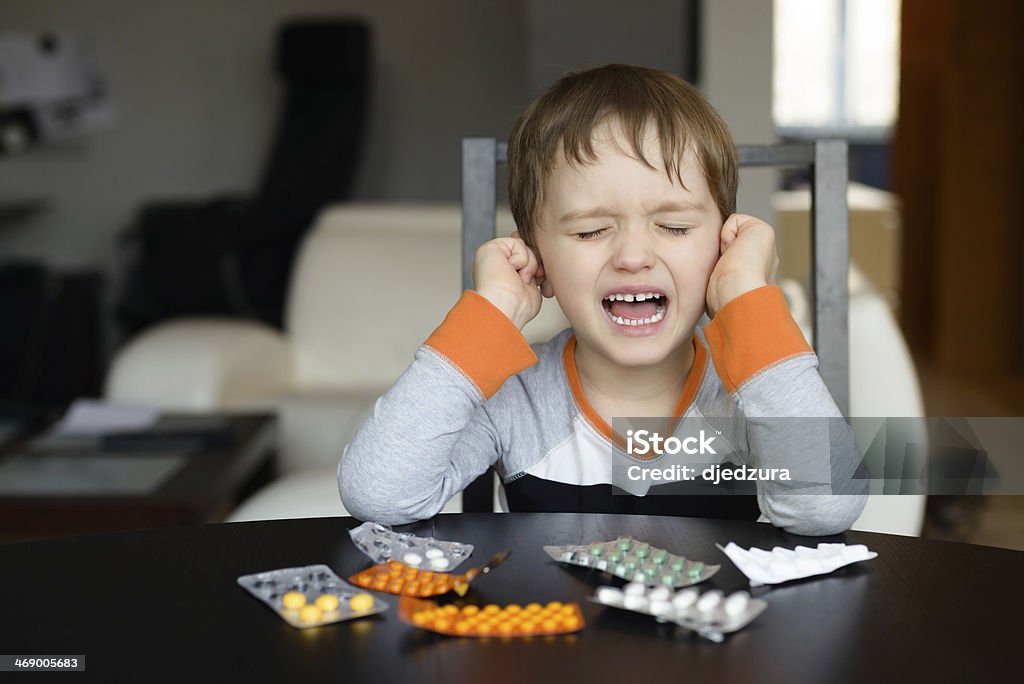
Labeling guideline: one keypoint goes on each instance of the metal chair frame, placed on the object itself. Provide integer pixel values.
(827, 161)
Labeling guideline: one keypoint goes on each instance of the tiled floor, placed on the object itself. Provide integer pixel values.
(992, 520)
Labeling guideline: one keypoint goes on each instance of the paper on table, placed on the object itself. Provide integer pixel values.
(91, 417)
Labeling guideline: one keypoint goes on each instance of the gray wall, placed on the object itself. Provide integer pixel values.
(196, 98)
(196, 101)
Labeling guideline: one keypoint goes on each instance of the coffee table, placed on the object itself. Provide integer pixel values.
(205, 484)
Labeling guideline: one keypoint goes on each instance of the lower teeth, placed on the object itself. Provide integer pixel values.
(659, 314)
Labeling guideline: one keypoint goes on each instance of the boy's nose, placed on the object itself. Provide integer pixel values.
(634, 251)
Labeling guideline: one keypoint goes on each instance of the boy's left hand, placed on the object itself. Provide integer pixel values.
(748, 260)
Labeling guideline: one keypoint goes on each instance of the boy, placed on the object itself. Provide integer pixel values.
(622, 182)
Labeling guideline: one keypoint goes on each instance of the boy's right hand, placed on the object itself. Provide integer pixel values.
(509, 275)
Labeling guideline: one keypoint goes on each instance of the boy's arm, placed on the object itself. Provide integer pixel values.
(429, 436)
(771, 373)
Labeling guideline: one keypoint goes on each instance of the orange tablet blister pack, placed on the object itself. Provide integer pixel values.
(513, 620)
(397, 578)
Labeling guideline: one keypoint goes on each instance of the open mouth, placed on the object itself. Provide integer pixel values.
(635, 309)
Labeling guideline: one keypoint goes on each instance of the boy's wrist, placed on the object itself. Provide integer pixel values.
(506, 305)
(730, 286)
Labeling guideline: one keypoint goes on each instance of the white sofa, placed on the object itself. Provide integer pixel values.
(370, 283)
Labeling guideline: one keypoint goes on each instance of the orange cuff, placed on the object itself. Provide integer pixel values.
(482, 342)
(752, 333)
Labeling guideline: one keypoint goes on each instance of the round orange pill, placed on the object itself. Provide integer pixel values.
(506, 628)
(549, 625)
(513, 608)
(571, 622)
(421, 618)
(470, 610)
(363, 580)
(484, 628)
(463, 627)
(554, 605)
(533, 608)
(442, 624)
(492, 609)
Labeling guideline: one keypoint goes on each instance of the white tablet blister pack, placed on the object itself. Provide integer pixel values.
(712, 615)
(382, 544)
(782, 565)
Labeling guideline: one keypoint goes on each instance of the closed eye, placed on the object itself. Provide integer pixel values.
(677, 230)
(591, 234)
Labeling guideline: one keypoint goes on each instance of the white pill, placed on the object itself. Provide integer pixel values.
(660, 594)
(808, 566)
(609, 596)
(634, 602)
(439, 563)
(737, 603)
(634, 589)
(413, 559)
(685, 599)
(856, 552)
(709, 601)
(434, 553)
(660, 608)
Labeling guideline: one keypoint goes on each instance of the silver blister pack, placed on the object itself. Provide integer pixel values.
(711, 614)
(635, 560)
(381, 544)
(311, 595)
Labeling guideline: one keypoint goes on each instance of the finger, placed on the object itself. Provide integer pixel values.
(529, 272)
(729, 231)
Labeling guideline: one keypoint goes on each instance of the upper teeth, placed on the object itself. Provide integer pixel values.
(633, 297)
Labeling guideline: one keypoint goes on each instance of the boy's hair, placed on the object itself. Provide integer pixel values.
(569, 112)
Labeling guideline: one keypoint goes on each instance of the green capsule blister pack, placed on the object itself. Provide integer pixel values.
(635, 561)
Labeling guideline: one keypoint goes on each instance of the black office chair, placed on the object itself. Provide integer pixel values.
(827, 162)
(237, 252)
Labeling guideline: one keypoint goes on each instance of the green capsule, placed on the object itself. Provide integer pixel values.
(660, 557)
(614, 557)
(643, 550)
(696, 569)
(621, 570)
(624, 543)
(596, 549)
(670, 579)
(630, 566)
(677, 565)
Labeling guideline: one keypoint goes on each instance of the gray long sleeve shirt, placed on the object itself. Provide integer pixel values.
(478, 396)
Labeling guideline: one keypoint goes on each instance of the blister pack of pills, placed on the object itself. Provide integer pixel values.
(712, 615)
(381, 544)
(492, 620)
(404, 580)
(782, 565)
(311, 595)
(635, 560)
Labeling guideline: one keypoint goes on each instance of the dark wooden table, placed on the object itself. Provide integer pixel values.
(206, 487)
(163, 605)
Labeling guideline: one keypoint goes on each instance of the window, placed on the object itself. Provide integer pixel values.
(836, 68)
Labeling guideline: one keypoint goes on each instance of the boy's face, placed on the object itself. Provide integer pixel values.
(614, 229)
